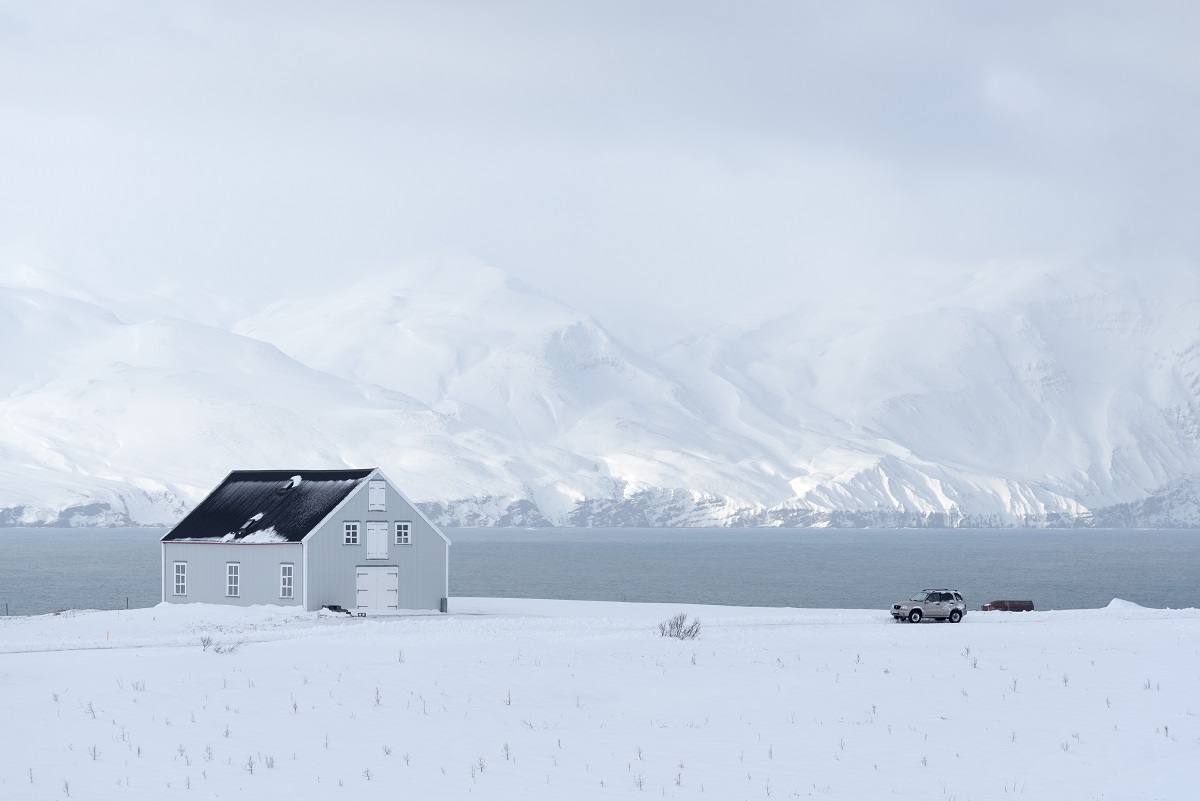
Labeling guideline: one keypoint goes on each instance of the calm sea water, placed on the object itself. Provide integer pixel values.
(42, 570)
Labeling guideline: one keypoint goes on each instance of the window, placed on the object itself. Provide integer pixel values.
(233, 572)
(403, 532)
(181, 578)
(377, 540)
(377, 496)
(350, 533)
(285, 581)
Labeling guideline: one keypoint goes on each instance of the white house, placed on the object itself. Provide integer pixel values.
(311, 538)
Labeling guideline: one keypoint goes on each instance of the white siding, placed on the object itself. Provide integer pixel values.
(207, 572)
(421, 565)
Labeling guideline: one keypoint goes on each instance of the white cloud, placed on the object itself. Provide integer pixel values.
(684, 161)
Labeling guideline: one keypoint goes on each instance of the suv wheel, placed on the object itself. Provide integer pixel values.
(955, 616)
(914, 616)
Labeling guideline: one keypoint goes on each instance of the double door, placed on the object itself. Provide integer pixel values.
(378, 588)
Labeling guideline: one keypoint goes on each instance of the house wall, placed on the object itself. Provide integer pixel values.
(259, 572)
(331, 564)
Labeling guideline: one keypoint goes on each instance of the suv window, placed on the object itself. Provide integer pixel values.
(958, 597)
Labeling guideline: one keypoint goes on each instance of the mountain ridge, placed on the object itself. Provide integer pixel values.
(1021, 398)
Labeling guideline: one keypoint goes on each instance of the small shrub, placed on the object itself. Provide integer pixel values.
(679, 628)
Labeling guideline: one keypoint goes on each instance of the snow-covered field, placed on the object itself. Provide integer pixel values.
(561, 699)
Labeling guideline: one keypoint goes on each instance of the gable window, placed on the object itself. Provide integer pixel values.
(285, 581)
(181, 578)
(377, 496)
(377, 540)
(350, 533)
(233, 579)
(403, 532)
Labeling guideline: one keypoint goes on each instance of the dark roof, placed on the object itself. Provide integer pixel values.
(288, 515)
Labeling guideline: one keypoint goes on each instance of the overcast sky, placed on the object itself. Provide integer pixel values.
(644, 161)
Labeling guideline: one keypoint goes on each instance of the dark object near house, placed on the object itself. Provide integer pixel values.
(1008, 606)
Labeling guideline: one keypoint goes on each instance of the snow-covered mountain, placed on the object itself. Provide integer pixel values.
(1019, 397)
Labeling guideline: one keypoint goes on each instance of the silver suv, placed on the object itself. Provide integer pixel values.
(933, 604)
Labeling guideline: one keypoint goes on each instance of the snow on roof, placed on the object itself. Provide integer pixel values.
(260, 537)
(249, 505)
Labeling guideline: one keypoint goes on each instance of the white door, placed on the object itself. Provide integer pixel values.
(376, 496)
(390, 582)
(378, 587)
(377, 540)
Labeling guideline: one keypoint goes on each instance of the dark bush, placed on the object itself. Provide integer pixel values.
(679, 628)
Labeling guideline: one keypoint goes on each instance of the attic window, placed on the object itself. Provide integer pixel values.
(289, 485)
(252, 521)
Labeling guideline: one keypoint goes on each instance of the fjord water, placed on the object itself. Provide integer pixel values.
(44, 570)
